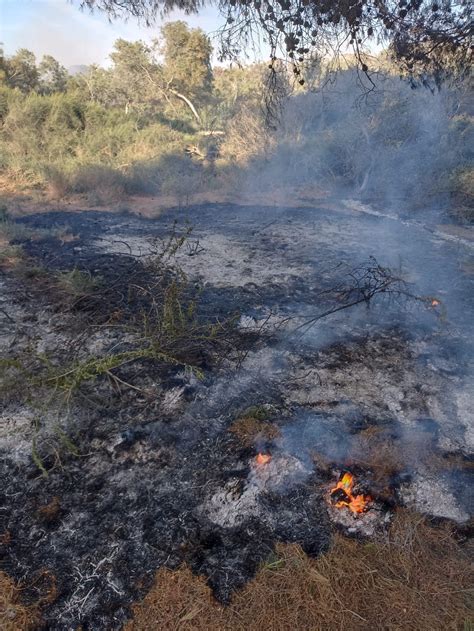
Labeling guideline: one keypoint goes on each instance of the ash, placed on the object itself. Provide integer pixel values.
(236, 501)
(374, 520)
(152, 475)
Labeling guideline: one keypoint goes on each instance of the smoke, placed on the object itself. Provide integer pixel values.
(395, 144)
(386, 162)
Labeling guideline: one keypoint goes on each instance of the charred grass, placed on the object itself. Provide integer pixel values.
(21, 604)
(15, 615)
(145, 318)
(417, 578)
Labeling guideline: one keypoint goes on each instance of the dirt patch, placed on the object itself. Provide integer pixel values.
(153, 206)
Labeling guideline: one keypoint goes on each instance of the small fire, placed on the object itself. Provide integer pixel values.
(435, 302)
(341, 494)
(263, 458)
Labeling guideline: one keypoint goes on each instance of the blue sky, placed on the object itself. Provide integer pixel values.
(72, 36)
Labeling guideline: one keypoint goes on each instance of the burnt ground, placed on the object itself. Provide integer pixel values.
(148, 476)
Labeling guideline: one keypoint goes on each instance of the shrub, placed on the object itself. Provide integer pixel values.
(58, 182)
(107, 183)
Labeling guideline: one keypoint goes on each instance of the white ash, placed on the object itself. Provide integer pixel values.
(427, 494)
(125, 244)
(222, 262)
(16, 433)
(173, 400)
(465, 412)
(247, 323)
(233, 504)
(266, 323)
(364, 524)
(383, 381)
(283, 471)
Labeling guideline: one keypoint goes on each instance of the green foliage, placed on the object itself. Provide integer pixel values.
(259, 412)
(125, 130)
(21, 71)
(187, 55)
(52, 76)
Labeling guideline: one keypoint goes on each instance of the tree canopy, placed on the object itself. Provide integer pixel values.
(425, 37)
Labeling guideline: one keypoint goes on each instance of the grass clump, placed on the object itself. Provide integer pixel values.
(77, 283)
(417, 578)
(258, 412)
(15, 615)
(249, 430)
(12, 231)
(10, 255)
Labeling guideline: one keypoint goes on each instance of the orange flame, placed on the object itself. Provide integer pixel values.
(263, 458)
(435, 302)
(342, 494)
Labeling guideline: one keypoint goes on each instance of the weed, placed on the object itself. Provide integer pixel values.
(78, 283)
(37, 459)
(10, 255)
(259, 412)
(152, 318)
(274, 562)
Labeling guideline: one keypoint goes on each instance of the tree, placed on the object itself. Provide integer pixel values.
(135, 74)
(53, 76)
(93, 84)
(424, 36)
(3, 67)
(21, 70)
(187, 56)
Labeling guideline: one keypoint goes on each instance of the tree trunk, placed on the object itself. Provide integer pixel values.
(188, 103)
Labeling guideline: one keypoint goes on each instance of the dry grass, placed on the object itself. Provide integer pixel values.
(375, 449)
(416, 579)
(250, 429)
(10, 255)
(14, 615)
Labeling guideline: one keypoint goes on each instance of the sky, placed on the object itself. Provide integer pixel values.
(59, 28)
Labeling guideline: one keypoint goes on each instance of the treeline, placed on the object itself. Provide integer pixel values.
(161, 119)
(151, 122)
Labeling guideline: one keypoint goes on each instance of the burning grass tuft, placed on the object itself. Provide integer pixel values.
(417, 577)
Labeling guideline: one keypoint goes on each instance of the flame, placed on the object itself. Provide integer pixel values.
(263, 458)
(435, 302)
(342, 494)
